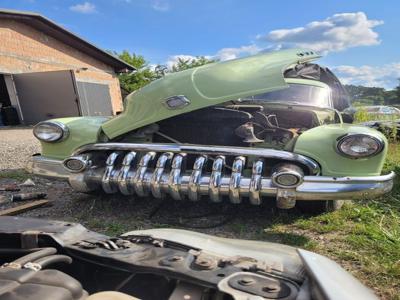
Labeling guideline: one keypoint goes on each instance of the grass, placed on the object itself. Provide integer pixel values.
(18, 174)
(363, 237)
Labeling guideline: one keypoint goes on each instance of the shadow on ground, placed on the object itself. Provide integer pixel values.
(115, 214)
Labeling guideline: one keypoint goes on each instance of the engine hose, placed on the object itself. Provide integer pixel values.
(35, 255)
(52, 259)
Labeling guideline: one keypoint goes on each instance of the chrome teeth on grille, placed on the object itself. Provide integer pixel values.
(169, 177)
(132, 172)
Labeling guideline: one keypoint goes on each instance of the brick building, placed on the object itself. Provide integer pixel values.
(47, 71)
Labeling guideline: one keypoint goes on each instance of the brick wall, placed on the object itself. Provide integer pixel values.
(24, 49)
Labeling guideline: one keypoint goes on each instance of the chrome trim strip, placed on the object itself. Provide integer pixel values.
(205, 150)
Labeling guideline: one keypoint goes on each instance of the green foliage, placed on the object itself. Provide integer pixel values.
(397, 90)
(139, 78)
(144, 74)
(184, 64)
(362, 95)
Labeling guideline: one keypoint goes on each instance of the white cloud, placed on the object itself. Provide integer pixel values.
(223, 54)
(160, 5)
(84, 8)
(232, 53)
(374, 76)
(335, 33)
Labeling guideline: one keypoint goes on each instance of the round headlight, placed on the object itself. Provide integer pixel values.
(359, 145)
(50, 131)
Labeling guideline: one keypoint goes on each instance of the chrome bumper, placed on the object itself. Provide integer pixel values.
(181, 185)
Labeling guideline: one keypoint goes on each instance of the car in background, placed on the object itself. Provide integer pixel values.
(382, 111)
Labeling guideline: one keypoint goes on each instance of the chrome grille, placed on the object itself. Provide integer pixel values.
(183, 171)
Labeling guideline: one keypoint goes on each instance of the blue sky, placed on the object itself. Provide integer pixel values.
(360, 39)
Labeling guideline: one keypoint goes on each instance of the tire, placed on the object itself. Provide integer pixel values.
(319, 206)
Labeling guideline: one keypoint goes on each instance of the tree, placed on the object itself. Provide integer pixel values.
(398, 91)
(373, 95)
(136, 79)
(185, 64)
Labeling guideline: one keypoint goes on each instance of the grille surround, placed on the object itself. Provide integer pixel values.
(159, 170)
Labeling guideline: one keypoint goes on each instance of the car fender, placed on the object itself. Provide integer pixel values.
(319, 143)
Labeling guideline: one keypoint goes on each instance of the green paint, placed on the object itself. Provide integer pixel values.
(82, 131)
(319, 143)
(217, 83)
(204, 86)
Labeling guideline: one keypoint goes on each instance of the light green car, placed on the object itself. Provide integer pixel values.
(263, 128)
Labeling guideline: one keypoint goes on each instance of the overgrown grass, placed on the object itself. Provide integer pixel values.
(364, 236)
(389, 131)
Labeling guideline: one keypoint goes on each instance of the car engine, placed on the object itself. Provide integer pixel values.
(242, 125)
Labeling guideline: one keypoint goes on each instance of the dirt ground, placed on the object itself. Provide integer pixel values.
(115, 213)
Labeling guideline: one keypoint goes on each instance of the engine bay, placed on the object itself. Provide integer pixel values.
(243, 125)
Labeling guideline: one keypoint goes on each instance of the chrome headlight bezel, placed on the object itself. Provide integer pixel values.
(62, 134)
(380, 145)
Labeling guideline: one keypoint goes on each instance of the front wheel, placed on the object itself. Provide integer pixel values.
(319, 206)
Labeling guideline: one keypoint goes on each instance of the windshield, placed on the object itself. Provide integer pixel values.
(296, 94)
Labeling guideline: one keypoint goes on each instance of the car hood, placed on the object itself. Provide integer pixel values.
(204, 86)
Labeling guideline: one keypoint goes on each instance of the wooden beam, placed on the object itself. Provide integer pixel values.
(23, 208)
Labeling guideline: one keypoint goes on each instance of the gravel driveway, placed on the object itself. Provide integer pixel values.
(16, 146)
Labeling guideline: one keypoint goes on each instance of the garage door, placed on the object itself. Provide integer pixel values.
(94, 98)
(46, 95)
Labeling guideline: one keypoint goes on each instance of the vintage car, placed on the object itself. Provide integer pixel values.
(382, 112)
(52, 260)
(262, 127)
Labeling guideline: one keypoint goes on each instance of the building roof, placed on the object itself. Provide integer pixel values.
(47, 26)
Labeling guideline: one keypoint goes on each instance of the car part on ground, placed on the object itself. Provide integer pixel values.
(381, 112)
(225, 130)
(58, 260)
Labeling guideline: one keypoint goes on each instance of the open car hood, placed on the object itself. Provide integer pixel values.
(204, 86)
